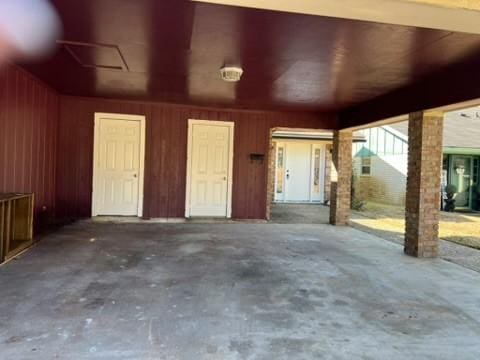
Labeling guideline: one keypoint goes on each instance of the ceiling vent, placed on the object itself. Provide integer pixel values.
(231, 73)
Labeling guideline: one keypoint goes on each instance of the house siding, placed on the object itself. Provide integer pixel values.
(28, 134)
(387, 181)
(388, 168)
(166, 153)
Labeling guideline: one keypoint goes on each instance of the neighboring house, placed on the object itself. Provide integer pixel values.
(380, 163)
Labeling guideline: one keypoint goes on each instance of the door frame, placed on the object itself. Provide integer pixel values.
(231, 126)
(313, 145)
(96, 138)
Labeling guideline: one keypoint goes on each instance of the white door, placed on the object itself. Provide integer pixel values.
(117, 166)
(297, 171)
(209, 173)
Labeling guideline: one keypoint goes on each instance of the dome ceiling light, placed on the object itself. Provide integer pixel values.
(231, 73)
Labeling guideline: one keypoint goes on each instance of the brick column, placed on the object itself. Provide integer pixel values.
(271, 175)
(425, 132)
(341, 186)
(329, 173)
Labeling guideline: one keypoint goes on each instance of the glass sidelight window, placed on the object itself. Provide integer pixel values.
(461, 177)
(316, 172)
(280, 169)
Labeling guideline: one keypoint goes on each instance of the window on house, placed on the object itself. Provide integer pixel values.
(444, 171)
(366, 165)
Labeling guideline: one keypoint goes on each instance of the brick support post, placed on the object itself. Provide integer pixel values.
(425, 131)
(340, 187)
(271, 175)
(329, 173)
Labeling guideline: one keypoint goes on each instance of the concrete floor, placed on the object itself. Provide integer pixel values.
(318, 214)
(233, 291)
(290, 213)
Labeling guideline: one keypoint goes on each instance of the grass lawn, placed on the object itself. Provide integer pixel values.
(462, 228)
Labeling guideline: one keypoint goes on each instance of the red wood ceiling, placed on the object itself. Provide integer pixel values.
(171, 50)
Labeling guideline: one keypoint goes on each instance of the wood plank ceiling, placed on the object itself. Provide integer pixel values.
(171, 51)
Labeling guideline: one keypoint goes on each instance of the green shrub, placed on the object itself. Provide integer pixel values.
(355, 203)
(451, 189)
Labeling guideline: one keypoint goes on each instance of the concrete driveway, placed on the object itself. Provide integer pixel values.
(365, 221)
(289, 213)
(233, 291)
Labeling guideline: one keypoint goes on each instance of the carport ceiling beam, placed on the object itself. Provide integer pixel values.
(454, 85)
(451, 15)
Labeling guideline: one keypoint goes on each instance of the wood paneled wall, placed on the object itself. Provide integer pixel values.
(28, 129)
(166, 153)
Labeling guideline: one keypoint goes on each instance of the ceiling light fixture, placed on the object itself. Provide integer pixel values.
(231, 73)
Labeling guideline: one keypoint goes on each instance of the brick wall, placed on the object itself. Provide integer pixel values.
(330, 172)
(272, 146)
(387, 180)
(423, 183)
(341, 189)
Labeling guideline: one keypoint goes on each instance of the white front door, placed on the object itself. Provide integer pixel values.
(117, 166)
(297, 171)
(209, 168)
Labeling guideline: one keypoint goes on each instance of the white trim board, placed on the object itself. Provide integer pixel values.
(451, 15)
(229, 124)
(113, 116)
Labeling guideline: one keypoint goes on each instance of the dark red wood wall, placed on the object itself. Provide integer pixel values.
(28, 133)
(166, 153)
